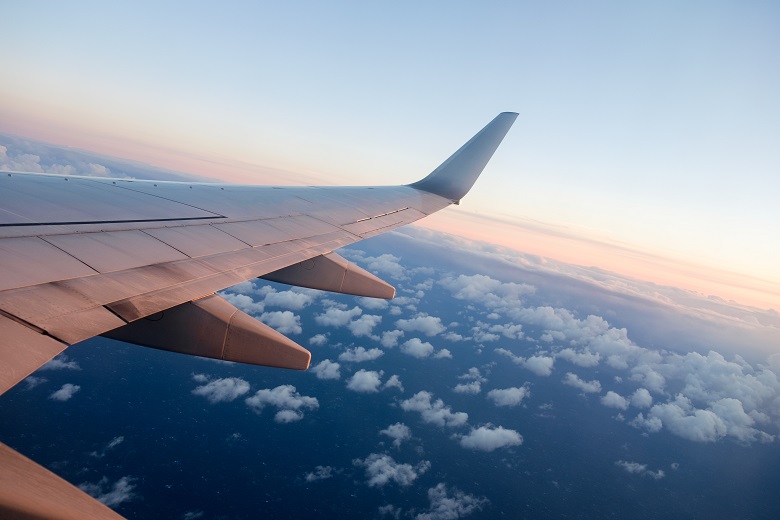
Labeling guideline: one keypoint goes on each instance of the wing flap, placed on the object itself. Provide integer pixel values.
(334, 273)
(213, 328)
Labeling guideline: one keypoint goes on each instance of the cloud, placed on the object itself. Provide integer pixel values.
(243, 302)
(318, 340)
(467, 388)
(641, 398)
(360, 354)
(335, 317)
(724, 417)
(374, 304)
(540, 365)
(488, 438)
(113, 443)
(473, 374)
(586, 359)
(614, 400)
(292, 300)
(417, 348)
(428, 325)
(288, 416)
(393, 382)
(222, 390)
(434, 412)
(636, 468)
(284, 321)
(390, 338)
(286, 398)
(589, 387)
(326, 369)
(65, 392)
(382, 469)
(33, 381)
(364, 325)
(319, 473)
(365, 381)
(121, 491)
(399, 432)
(60, 362)
(443, 354)
(446, 506)
(509, 396)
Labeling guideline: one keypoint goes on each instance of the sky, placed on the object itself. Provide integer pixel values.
(646, 143)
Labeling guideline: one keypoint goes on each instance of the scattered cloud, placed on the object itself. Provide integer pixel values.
(360, 354)
(614, 400)
(320, 473)
(472, 388)
(284, 321)
(61, 362)
(364, 325)
(589, 387)
(585, 359)
(326, 369)
(382, 469)
(444, 505)
(121, 491)
(443, 354)
(509, 396)
(390, 338)
(113, 443)
(473, 374)
(65, 392)
(489, 438)
(393, 382)
(399, 432)
(33, 381)
(318, 340)
(293, 300)
(365, 381)
(243, 302)
(287, 399)
(424, 324)
(335, 317)
(641, 398)
(434, 412)
(222, 390)
(636, 468)
(415, 347)
(288, 416)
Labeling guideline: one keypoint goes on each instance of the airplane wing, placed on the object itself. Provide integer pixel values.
(140, 261)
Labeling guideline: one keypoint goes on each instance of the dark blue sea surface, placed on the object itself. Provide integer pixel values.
(186, 457)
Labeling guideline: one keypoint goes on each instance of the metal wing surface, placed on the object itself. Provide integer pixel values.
(141, 260)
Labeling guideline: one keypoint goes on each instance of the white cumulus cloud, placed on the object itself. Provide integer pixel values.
(222, 390)
(399, 432)
(415, 347)
(435, 412)
(382, 469)
(360, 354)
(509, 396)
(365, 381)
(326, 369)
(489, 438)
(65, 392)
(589, 387)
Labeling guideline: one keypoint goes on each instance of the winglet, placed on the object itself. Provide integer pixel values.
(455, 176)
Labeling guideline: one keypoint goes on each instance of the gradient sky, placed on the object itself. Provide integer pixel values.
(652, 127)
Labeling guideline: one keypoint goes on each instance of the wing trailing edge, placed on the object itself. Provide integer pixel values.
(455, 176)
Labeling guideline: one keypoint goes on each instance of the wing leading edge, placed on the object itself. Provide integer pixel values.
(140, 261)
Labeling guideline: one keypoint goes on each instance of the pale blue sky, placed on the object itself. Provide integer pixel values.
(655, 124)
